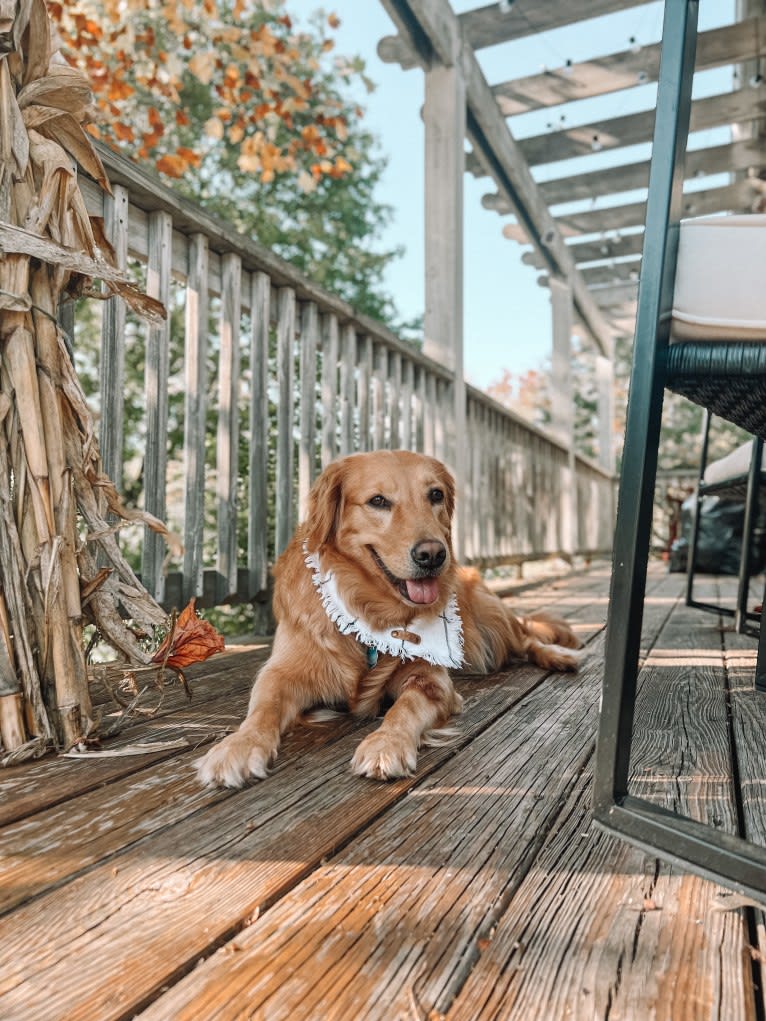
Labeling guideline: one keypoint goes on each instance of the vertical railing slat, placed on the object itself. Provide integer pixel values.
(380, 371)
(258, 461)
(227, 440)
(195, 407)
(156, 370)
(347, 367)
(395, 396)
(363, 390)
(407, 388)
(111, 433)
(308, 383)
(430, 414)
(329, 387)
(285, 409)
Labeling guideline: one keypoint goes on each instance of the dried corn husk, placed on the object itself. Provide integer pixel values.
(50, 473)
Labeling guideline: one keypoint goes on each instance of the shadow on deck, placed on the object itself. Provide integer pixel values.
(476, 889)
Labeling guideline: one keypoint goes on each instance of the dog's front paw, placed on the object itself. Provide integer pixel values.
(234, 761)
(384, 756)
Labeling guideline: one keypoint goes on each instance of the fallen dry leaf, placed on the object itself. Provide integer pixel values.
(191, 641)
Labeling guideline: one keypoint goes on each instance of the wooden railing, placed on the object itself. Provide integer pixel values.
(296, 378)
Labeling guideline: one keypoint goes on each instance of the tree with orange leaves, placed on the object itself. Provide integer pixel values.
(157, 66)
(252, 118)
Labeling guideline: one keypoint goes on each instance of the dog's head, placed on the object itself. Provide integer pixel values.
(389, 514)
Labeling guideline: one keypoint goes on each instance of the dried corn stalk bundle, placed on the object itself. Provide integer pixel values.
(54, 499)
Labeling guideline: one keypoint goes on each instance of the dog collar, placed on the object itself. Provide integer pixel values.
(437, 640)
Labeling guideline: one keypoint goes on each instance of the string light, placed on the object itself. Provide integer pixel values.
(595, 144)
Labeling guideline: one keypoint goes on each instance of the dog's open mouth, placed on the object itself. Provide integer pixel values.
(417, 590)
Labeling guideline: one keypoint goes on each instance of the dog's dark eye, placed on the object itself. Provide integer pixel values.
(436, 495)
(379, 501)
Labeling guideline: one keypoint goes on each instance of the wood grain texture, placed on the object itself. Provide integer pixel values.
(195, 410)
(32, 788)
(395, 918)
(156, 372)
(285, 416)
(258, 458)
(227, 434)
(164, 887)
(112, 367)
(307, 446)
(601, 930)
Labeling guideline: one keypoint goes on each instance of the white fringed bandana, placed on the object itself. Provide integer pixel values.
(437, 640)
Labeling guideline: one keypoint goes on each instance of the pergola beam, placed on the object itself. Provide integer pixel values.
(744, 40)
(490, 25)
(634, 129)
(595, 251)
(734, 198)
(496, 147)
(718, 159)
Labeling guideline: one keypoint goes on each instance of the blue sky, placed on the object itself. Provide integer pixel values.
(507, 315)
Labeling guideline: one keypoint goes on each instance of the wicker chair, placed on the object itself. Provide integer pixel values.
(724, 370)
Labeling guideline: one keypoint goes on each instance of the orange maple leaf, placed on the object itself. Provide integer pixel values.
(191, 641)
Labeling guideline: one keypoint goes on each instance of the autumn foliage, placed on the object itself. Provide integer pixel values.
(160, 70)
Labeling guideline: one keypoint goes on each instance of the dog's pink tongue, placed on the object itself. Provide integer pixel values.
(422, 590)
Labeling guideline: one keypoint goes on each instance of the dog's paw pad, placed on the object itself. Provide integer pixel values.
(383, 757)
(233, 762)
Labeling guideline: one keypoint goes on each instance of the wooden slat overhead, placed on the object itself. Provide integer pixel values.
(737, 107)
(730, 44)
(741, 112)
(501, 22)
(716, 159)
(735, 198)
(595, 251)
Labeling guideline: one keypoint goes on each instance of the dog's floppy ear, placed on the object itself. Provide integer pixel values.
(325, 501)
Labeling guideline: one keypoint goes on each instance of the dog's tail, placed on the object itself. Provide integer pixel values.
(494, 635)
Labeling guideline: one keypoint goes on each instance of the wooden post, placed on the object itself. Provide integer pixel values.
(309, 317)
(227, 437)
(444, 114)
(195, 409)
(156, 372)
(111, 432)
(258, 455)
(285, 415)
(562, 406)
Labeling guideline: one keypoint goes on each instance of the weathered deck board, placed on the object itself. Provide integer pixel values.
(474, 890)
(599, 929)
(176, 894)
(395, 917)
(748, 713)
(219, 697)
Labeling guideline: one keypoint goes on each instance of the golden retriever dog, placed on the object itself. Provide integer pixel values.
(370, 605)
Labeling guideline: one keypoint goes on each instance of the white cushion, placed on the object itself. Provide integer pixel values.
(732, 465)
(720, 289)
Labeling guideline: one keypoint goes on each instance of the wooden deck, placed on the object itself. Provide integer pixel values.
(474, 890)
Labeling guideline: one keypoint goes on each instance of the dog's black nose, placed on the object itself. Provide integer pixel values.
(429, 554)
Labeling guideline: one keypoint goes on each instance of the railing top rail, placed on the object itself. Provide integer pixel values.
(151, 194)
(480, 397)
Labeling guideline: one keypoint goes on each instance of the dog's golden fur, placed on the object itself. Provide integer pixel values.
(382, 523)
